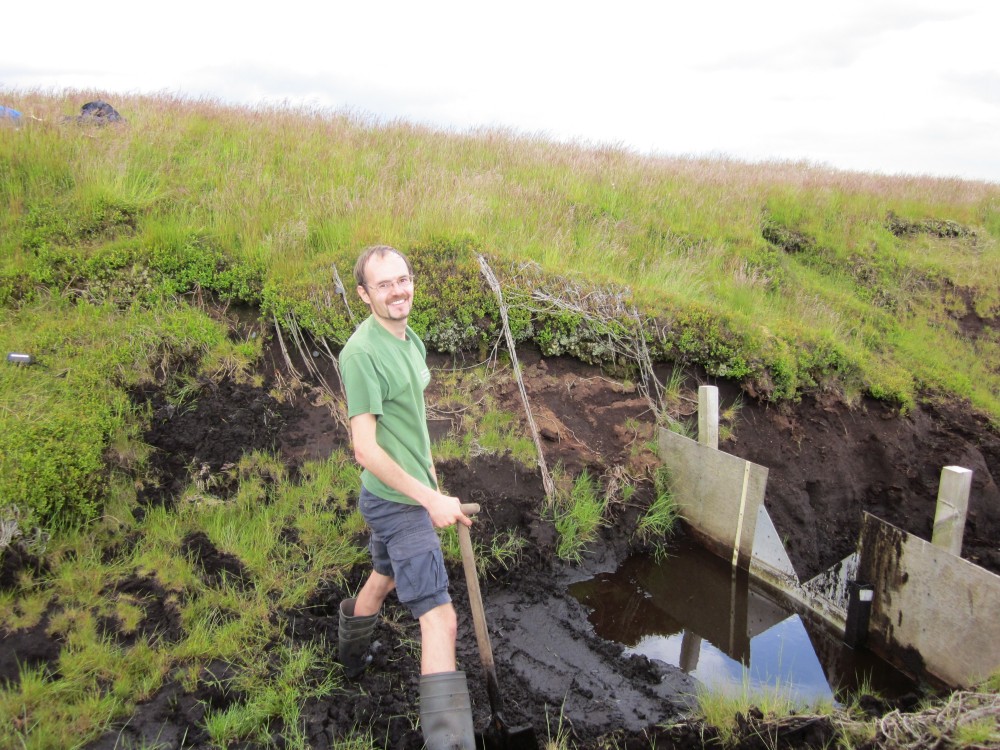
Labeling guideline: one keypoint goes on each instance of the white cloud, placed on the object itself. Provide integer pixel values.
(835, 39)
(880, 85)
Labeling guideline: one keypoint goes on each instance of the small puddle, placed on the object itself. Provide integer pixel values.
(692, 611)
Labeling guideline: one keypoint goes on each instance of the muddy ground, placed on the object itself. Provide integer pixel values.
(827, 463)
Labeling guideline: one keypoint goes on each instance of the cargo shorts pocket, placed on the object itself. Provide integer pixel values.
(418, 567)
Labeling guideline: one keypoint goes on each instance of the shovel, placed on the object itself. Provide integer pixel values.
(498, 736)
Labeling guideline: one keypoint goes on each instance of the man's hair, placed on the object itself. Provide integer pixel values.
(376, 250)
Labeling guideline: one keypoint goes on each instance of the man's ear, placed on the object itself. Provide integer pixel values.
(363, 293)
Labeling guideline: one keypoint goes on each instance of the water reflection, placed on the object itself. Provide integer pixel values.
(693, 610)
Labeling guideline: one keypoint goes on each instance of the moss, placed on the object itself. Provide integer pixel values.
(699, 336)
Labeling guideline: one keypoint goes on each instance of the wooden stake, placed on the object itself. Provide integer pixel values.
(491, 279)
(952, 505)
(708, 416)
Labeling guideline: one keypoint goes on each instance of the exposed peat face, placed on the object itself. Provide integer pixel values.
(827, 463)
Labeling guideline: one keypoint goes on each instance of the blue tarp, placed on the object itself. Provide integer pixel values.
(8, 112)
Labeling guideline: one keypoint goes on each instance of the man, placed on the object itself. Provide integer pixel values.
(385, 373)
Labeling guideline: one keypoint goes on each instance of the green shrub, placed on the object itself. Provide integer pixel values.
(453, 309)
(699, 336)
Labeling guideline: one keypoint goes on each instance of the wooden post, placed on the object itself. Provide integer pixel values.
(708, 416)
(952, 505)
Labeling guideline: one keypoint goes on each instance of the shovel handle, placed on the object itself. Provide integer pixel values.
(475, 595)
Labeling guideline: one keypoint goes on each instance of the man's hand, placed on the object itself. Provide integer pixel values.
(445, 510)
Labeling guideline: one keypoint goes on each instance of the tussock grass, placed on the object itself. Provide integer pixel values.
(578, 513)
(660, 520)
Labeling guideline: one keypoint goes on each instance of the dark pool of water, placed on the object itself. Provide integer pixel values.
(695, 611)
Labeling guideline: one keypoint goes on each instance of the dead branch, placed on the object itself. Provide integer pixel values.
(935, 727)
(284, 350)
(491, 279)
(603, 308)
(339, 288)
(337, 401)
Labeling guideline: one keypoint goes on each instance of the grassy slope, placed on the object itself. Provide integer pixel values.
(286, 194)
(784, 276)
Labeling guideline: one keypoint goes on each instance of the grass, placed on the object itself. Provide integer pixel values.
(559, 736)
(273, 698)
(729, 418)
(787, 278)
(502, 554)
(719, 709)
(961, 719)
(704, 246)
(494, 432)
(660, 520)
(99, 681)
(578, 513)
(59, 418)
(991, 684)
(981, 733)
(478, 425)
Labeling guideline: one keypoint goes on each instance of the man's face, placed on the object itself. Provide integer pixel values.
(393, 303)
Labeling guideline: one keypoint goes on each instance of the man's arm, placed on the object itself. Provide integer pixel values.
(444, 509)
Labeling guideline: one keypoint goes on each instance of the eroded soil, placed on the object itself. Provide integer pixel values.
(827, 463)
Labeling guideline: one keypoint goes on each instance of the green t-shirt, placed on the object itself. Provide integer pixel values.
(386, 376)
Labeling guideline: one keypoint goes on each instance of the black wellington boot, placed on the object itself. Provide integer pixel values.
(355, 635)
(446, 712)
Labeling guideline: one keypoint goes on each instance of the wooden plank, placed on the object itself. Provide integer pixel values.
(711, 488)
(931, 609)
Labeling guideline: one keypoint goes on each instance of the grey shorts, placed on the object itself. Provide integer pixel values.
(405, 546)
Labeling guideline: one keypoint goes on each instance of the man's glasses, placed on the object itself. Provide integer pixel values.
(403, 282)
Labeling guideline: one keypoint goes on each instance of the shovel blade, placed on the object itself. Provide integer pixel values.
(498, 736)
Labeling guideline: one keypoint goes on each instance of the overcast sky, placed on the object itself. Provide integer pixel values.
(907, 86)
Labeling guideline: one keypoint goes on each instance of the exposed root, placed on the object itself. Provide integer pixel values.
(615, 481)
(607, 309)
(335, 400)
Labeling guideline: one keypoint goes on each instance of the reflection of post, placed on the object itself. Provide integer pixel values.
(690, 651)
(952, 505)
(739, 611)
(732, 612)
